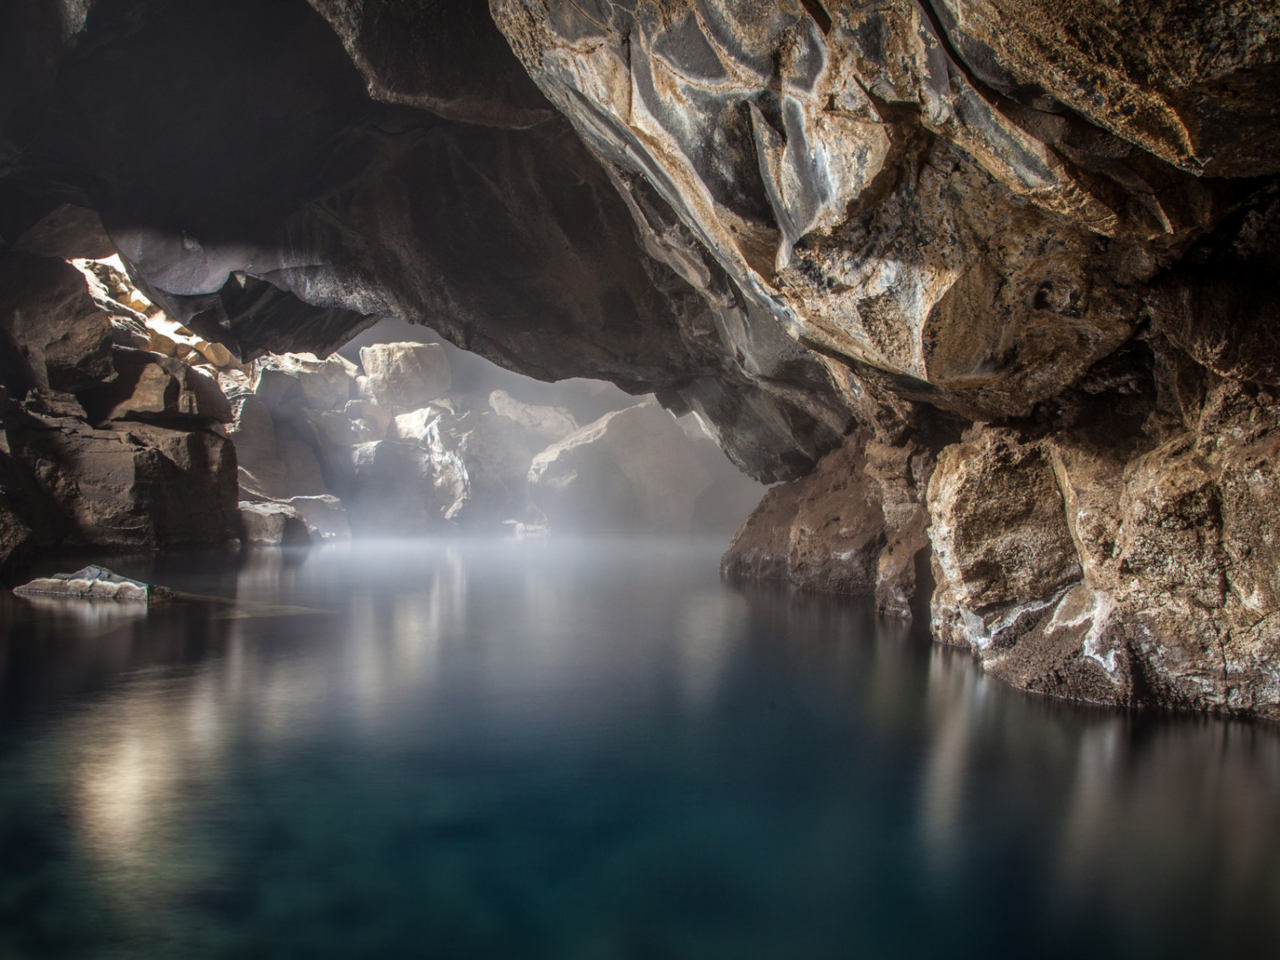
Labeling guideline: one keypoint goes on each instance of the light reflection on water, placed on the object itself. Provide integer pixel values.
(588, 750)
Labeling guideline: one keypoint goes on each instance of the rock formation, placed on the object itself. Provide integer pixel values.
(104, 445)
(93, 583)
(994, 275)
(633, 471)
(314, 444)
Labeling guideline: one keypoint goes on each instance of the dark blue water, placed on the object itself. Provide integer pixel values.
(589, 752)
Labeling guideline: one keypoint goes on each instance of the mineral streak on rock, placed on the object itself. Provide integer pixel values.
(93, 583)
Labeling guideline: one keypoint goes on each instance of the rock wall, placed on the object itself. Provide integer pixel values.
(103, 444)
(995, 274)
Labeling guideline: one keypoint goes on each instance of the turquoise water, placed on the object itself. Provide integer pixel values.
(591, 750)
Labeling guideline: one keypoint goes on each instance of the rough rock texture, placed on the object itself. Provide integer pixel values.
(92, 583)
(1119, 555)
(156, 388)
(404, 376)
(548, 423)
(1035, 241)
(102, 445)
(54, 336)
(857, 524)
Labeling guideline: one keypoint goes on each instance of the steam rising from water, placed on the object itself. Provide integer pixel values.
(593, 749)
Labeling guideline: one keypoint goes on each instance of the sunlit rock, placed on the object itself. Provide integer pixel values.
(67, 232)
(403, 488)
(496, 452)
(546, 423)
(631, 471)
(158, 389)
(56, 336)
(93, 583)
(416, 425)
(294, 380)
(370, 420)
(405, 376)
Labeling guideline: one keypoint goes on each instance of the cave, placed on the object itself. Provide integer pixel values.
(853, 362)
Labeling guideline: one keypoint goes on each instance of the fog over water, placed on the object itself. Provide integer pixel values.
(588, 749)
(472, 374)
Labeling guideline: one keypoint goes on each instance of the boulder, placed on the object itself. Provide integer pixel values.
(93, 583)
(496, 454)
(137, 485)
(67, 232)
(370, 420)
(273, 524)
(293, 381)
(325, 516)
(631, 471)
(416, 426)
(546, 423)
(402, 488)
(405, 376)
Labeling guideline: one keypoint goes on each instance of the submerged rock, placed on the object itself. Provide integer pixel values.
(93, 583)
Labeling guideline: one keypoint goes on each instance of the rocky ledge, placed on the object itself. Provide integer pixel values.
(988, 285)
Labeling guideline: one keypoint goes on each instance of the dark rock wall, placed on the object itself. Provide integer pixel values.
(101, 445)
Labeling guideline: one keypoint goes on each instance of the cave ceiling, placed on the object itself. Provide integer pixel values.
(793, 218)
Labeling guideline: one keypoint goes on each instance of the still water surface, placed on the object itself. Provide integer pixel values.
(593, 751)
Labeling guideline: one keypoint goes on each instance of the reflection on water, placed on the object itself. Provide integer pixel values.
(595, 751)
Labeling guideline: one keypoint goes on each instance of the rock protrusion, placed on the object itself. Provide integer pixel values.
(405, 376)
(273, 524)
(631, 470)
(855, 525)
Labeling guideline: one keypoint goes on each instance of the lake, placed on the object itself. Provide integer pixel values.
(587, 750)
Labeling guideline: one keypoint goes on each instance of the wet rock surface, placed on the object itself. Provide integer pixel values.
(93, 583)
(994, 275)
(857, 524)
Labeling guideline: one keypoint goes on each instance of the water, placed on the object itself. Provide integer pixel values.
(588, 751)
